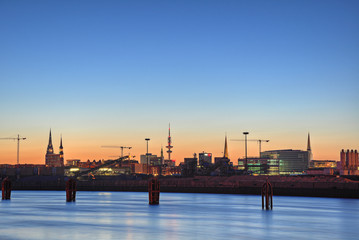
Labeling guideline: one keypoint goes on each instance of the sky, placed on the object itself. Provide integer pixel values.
(117, 72)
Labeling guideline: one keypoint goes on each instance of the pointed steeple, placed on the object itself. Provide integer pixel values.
(50, 139)
(309, 150)
(50, 149)
(225, 148)
(61, 147)
(61, 152)
(162, 157)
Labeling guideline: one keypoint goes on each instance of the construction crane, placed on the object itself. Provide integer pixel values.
(122, 147)
(254, 140)
(18, 144)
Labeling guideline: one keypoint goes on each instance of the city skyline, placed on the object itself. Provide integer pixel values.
(238, 150)
(115, 73)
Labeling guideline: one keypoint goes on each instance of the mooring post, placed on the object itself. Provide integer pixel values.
(267, 193)
(154, 191)
(6, 189)
(71, 190)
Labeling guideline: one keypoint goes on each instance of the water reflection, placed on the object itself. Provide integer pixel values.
(126, 215)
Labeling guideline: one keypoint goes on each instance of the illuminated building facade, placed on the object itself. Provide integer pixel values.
(323, 164)
(52, 159)
(290, 161)
(73, 162)
(260, 166)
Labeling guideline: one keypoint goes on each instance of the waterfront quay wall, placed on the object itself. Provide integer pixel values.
(314, 186)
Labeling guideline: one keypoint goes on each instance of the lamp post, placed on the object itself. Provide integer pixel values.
(147, 139)
(245, 141)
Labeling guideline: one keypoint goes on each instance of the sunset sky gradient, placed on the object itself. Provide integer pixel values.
(117, 72)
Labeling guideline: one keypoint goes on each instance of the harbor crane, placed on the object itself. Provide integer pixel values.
(18, 144)
(254, 140)
(122, 147)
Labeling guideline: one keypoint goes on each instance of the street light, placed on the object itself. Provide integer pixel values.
(147, 139)
(245, 140)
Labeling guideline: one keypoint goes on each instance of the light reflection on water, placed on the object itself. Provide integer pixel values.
(127, 215)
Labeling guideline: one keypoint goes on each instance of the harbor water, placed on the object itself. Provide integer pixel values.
(127, 215)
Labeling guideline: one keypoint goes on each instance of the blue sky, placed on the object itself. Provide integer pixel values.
(116, 72)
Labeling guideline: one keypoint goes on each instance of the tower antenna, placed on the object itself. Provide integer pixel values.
(169, 146)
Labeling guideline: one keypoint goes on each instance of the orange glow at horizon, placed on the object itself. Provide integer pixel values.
(33, 152)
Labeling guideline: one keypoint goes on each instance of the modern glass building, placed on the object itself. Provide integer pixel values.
(290, 161)
(260, 166)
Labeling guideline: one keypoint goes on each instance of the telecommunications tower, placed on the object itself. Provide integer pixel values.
(169, 146)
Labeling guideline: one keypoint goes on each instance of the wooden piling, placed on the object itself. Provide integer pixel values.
(267, 194)
(154, 191)
(6, 189)
(71, 190)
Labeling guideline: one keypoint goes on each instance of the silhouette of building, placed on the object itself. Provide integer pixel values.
(225, 154)
(162, 157)
(169, 163)
(205, 164)
(349, 161)
(189, 167)
(52, 159)
(153, 160)
(204, 158)
(222, 165)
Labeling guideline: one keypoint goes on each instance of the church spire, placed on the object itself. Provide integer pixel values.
(61, 152)
(225, 148)
(162, 157)
(61, 147)
(309, 149)
(50, 149)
